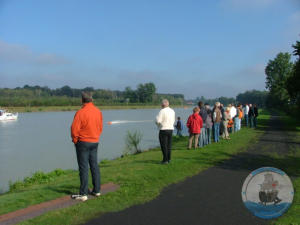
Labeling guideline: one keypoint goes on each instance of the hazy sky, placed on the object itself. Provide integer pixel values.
(209, 48)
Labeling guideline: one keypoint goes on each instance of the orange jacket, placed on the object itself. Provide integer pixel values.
(87, 124)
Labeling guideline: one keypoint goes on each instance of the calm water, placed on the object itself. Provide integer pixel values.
(41, 141)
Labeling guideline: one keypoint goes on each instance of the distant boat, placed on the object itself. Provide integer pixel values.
(7, 116)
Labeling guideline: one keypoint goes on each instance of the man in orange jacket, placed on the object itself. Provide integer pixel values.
(85, 132)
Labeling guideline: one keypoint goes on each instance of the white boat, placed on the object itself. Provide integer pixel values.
(7, 116)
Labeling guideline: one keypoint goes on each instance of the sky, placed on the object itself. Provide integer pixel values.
(194, 47)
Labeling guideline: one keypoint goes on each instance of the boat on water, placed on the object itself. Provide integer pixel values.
(7, 116)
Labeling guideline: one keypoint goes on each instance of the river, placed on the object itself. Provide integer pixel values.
(41, 141)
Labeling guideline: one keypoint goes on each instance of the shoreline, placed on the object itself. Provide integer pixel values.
(22, 109)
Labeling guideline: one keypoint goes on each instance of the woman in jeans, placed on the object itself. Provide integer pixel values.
(217, 117)
(209, 125)
(194, 124)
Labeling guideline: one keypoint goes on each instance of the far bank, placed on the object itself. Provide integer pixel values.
(75, 108)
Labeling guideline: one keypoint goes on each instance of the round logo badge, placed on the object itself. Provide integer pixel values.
(267, 192)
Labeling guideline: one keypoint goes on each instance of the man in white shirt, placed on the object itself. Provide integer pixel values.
(165, 121)
(246, 111)
(233, 115)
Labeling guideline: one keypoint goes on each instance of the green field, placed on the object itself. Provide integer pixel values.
(141, 178)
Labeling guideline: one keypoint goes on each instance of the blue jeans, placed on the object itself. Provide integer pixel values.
(246, 120)
(208, 135)
(216, 131)
(236, 124)
(251, 121)
(202, 138)
(179, 133)
(87, 155)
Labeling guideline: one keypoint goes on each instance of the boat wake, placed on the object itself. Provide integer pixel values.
(127, 121)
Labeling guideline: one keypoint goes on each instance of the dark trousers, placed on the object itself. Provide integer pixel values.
(246, 119)
(254, 121)
(251, 121)
(165, 140)
(87, 155)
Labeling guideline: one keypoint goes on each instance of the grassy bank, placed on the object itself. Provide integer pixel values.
(74, 108)
(141, 178)
(292, 165)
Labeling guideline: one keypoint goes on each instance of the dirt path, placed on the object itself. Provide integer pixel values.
(212, 197)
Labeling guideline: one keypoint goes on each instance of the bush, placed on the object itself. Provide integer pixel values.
(38, 177)
(132, 141)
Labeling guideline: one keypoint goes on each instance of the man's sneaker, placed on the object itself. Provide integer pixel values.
(96, 194)
(79, 197)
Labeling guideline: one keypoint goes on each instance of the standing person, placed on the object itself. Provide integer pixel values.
(236, 119)
(85, 132)
(217, 116)
(232, 116)
(179, 127)
(203, 114)
(225, 120)
(221, 124)
(194, 124)
(251, 115)
(165, 121)
(209, 124)
(246, 111)
(241, 115)
(255, 109)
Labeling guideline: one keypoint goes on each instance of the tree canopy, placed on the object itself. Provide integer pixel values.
(293, 82)
(277, 73)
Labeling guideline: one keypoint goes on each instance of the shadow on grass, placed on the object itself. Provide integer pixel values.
(65, 189)
(274, 149)
(150, 161)
(250, 162)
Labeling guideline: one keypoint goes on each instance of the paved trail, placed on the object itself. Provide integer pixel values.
(212, 197)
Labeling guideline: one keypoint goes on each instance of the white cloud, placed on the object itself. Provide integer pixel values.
(16, 53)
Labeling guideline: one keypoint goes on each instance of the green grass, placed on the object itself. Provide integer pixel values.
(141, 178)
(292, 164)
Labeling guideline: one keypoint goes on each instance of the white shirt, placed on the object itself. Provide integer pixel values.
(165, 119)
(232, 111)
(246, 110)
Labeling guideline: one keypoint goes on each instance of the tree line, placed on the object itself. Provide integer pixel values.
(212, 101)
(283, 79)
(66, 96)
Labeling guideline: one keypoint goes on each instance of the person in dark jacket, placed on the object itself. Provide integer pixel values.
(179, 127)
(194, 124)
(203, 114)
(255, 110)
(251, 115)
(221, 124)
